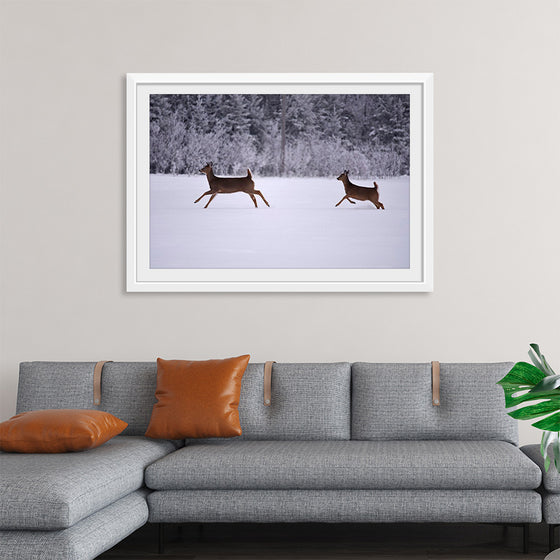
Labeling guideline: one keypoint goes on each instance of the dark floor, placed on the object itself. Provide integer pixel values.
(330, 542)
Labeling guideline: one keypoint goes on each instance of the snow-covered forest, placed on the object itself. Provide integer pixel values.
(281, 135)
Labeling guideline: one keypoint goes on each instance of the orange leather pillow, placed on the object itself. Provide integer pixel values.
(58, 431)
(197, 399)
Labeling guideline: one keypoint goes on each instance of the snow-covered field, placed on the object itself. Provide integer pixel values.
(301, 229)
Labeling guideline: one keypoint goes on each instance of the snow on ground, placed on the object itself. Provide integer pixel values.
(301, 229)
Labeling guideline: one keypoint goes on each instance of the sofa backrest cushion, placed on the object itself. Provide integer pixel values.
(127, 389)
(309, 401)
(394, 402)
(44, 385)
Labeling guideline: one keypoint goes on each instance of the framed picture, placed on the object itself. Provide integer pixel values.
(279, 182)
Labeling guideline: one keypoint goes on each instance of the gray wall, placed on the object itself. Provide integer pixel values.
(497, 179)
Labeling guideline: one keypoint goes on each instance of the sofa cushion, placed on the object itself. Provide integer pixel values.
(551, 508)
(127, 389)
(551, 478)
(44, 385)
(54, 491)
(197, 399)
(309, 402)
(344, 465)
(394, 401)
(85, 540)
(58, 430)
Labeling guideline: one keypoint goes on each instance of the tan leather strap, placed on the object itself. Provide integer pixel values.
(268, 383)
(97, 370)
(435, 384)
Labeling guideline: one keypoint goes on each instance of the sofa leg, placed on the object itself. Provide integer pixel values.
(161, 538)
(551, 544)
(525, 538)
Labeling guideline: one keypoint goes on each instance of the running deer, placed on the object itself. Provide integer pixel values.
(229, 185)
(359, 193)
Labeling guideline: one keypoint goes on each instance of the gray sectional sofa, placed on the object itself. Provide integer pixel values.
(340, 442)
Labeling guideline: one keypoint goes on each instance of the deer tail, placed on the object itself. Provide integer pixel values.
(249, 174)
(375, 185)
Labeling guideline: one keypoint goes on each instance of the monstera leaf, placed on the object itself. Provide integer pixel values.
(526, 383)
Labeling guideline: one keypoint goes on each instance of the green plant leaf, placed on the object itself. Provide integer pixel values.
(556, 452)
(536, 360)
(550, 449)
(526, 383)
(547, 384)
(522, 375)
(539, 360)
(550, 423)
(514, 397)
(535, 347)
(547, 437)
(536, 410)
(547, 367)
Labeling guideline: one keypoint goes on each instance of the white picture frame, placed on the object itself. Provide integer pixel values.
(417, 278)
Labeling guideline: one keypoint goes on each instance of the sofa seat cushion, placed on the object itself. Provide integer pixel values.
(550, 478)
(54, 491)
(85, 540)
(285, 465)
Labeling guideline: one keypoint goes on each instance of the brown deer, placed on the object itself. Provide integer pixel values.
(229, 185)
(359, 193)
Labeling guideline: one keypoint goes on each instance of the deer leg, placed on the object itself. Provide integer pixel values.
(200, 197)
(253, 199)
(343, 198)
(211, 199)
(351, 201)
(261, 195)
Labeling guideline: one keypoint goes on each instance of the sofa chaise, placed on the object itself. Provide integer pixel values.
(340, 442)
